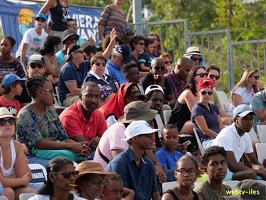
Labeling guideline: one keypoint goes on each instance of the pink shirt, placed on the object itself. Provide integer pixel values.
(12, 106)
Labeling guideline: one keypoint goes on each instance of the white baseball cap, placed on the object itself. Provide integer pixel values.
(152, 88)
(136, 128)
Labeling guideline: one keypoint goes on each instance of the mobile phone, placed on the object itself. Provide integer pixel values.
(188, 142)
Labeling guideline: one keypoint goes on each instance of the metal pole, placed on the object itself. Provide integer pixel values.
(137, 16)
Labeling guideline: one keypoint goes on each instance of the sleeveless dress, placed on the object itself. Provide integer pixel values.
(176, 198)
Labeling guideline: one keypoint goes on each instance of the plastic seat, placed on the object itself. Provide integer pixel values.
(26, 196)
(261, 131)
(198, 141)
(166, 115)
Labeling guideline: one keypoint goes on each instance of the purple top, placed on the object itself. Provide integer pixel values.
(177, 88)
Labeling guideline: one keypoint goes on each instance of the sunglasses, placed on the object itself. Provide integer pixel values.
(212, 76)
(33, 66)
(206, 92)
(10, 121)
(96, 181)
(99, 64)
(201, 75)
(73, 39)
(72, 25)
(256, 77)
(80, 51)
(67, 174)
(168, 62)
(141, 43)
(195, 59)
(40, 20)
(157, 68)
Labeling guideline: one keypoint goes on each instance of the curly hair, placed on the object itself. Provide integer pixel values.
(211, 151)
(49, 44)
(34, 84)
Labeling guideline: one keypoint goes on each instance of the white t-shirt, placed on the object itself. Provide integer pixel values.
(35, 42)
(47, 197)
(232, 141)
(110, 140)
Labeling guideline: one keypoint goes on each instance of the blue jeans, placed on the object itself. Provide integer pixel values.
(35, 160)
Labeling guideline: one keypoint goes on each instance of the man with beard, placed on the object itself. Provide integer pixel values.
(236, 142)
(83, 121)
(215, 166)
(156, 76)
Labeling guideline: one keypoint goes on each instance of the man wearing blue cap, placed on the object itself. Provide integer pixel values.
(120, 56)
(33, 39)
(236, 142)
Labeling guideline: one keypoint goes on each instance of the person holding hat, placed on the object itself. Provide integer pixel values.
(72, 75)
(205, 116)
(114, 108)
(236, 141)
(69, 37)
(35, 67)
(195, 56)
(133, 166)
(15, 174)
(33, 39)
(12, 86)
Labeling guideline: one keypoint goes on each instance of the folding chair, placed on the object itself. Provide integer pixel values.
(26, 196)
(166, 115)
(253, 135)
(198, 141)
(57, 102)
(168, 185)
(261, 131)
(261, 149)
(39, 174)
(223, 99)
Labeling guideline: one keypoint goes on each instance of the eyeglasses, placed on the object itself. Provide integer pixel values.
(212, 76)
(11, 121)
(183, 171)
(121, 59)
(96, 181)
(206, 92)
(195, 59)
(135, 74)
(72, 39)
(67, 174)
(157, 68)
(79, 51)
(33, 66)
(201, 75)
(40, 20)
(72, 25)
(168, 62)
(141, 43)
(256, 77)
(49, 90)
(99, 64)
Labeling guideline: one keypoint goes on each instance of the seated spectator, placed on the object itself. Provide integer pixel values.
(214, 74)
(185, 102)
(51, 46)
(60, 181)
(167, 155)
(215, 166)
(206, 116)
(114, 189)
(146, 57)
(258, 105)
(15, 173)
(72, 25)
(139, 136)
(114, 108)
(236, 142)
(120, 56)
(129, 33)
(40, 129)
(195, 56)
(69, 37)
(157, 44)
(156, 76)
(111, 144)
(72, 75)
(33, 39)
(82, 121)
(90, 50)
(245, 89)
(91, 179)
(12, 86)
(137, 47)
(168, 61)
(35, 67)
(178, 77)
(186, 173)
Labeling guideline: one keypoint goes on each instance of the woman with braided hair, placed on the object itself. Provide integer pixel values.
(41, 131)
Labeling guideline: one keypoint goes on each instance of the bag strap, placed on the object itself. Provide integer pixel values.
(102, 156)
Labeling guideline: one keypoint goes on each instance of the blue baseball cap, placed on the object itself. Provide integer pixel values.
(40, 15)
(124, 50)
(242, 110)
(9, 79)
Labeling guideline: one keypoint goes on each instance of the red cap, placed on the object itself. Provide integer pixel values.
(205, 83)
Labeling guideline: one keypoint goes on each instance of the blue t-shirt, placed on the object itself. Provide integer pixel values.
(115, 72)
(146, 59)
(168, 159)
(211, 117)
(141, 179)
(60, 56)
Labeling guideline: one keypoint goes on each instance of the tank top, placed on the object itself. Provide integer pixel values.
(10, 171)
(59, 15)
(176, 198)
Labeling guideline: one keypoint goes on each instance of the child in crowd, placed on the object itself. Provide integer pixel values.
(146, 57)
(12, 87)
(167, 156)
